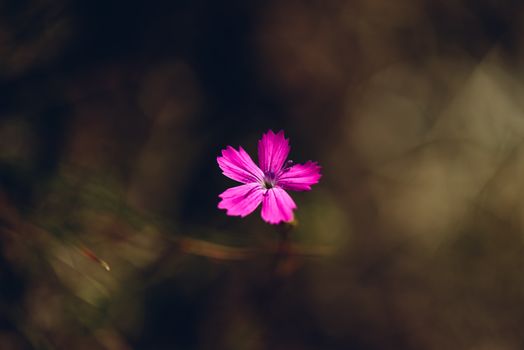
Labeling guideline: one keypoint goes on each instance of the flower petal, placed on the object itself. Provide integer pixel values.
(241, 200)
(273, 150)
(239, 166)
(300, 177)
(277, 206)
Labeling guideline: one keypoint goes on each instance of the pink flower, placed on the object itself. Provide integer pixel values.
(266, 183)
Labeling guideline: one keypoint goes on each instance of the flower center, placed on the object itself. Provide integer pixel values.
(270, 180)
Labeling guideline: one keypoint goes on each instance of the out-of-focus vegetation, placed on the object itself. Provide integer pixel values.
(111, 117)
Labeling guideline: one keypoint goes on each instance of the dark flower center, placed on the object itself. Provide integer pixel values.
(270, 180)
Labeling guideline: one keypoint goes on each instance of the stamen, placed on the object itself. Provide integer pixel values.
(287, 166)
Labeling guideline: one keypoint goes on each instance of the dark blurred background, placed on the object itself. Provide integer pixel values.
(112, 115)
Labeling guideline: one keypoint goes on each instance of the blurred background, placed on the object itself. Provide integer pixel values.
(112, 115)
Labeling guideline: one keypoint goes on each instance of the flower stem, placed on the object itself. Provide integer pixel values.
(283, 264)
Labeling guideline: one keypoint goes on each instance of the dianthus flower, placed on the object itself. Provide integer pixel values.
(266, 183)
